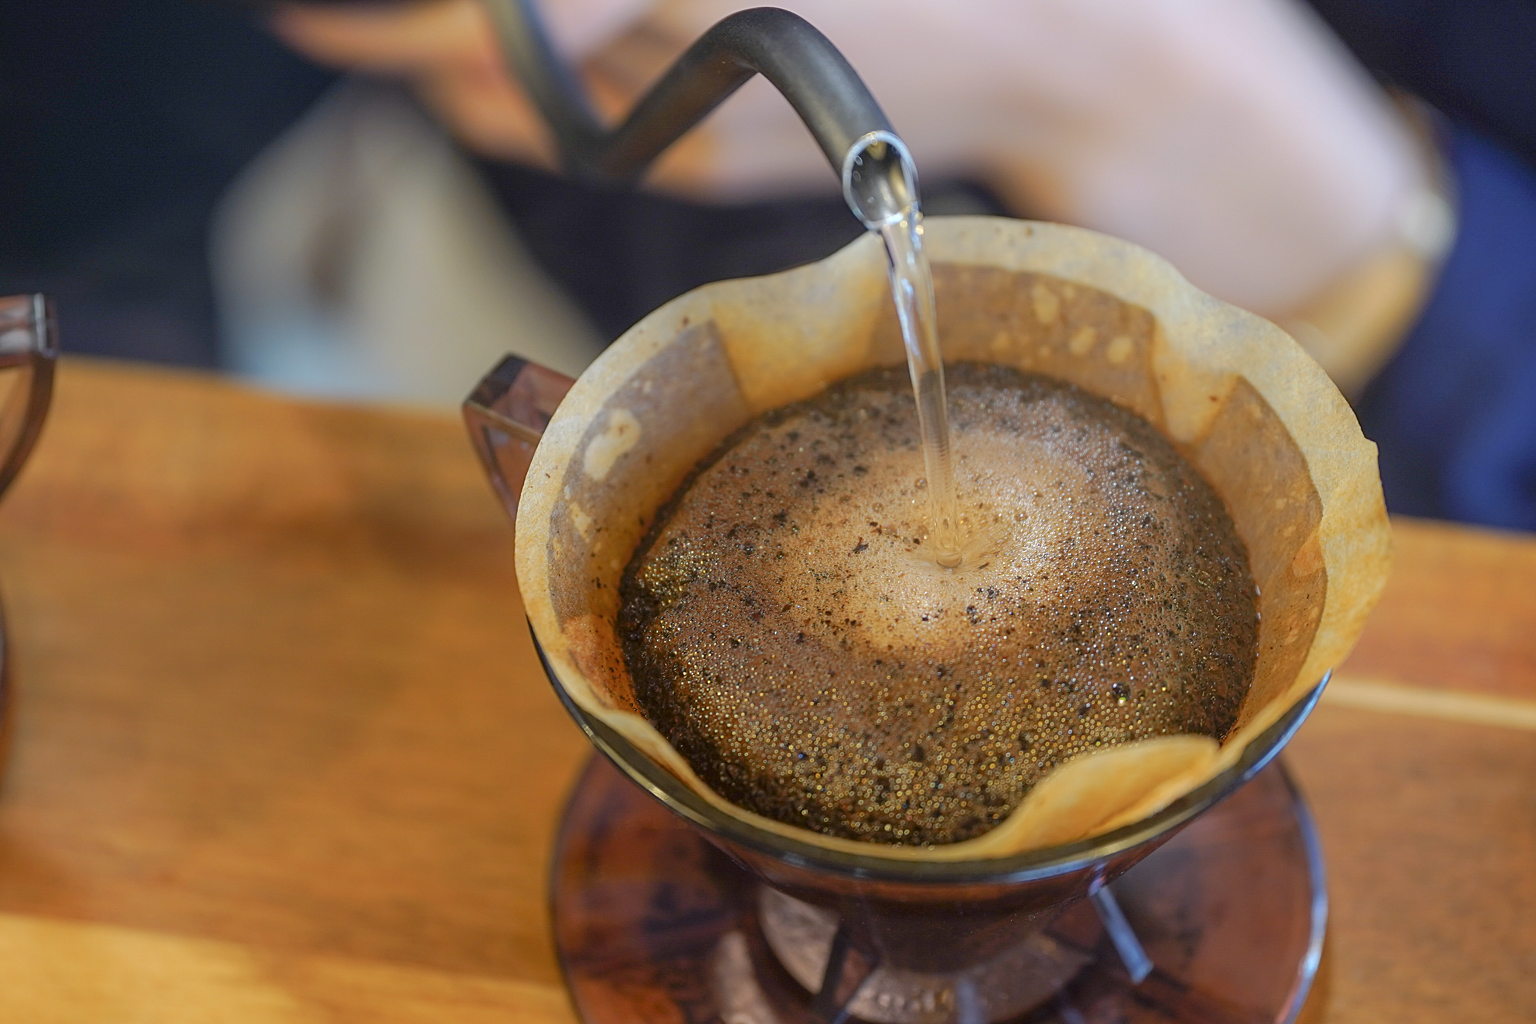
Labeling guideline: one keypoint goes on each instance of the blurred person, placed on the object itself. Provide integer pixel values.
(1228, 135)
(1238, 138)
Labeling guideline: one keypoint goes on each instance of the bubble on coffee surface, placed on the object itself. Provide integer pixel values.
(790, 632)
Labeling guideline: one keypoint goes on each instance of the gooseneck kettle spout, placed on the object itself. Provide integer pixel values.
(878, 176)
(506, 414)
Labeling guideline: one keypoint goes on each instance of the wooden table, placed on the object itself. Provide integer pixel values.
(281, 750)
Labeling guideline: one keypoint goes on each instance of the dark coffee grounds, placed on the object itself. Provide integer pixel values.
(789, 632)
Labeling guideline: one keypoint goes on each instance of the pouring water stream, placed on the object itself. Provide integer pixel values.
(880, 184)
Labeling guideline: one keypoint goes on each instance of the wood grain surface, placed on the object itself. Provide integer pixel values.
(281, 752)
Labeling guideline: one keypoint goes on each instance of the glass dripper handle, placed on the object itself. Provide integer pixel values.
(506, 415)
(29, 344)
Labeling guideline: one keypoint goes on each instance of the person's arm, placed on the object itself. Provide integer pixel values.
(1234, 137)
(448, 49)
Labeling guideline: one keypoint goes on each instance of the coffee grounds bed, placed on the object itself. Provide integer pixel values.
(653, 924)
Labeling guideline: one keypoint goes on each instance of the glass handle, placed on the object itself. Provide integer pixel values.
(29, 344)
(506, 415)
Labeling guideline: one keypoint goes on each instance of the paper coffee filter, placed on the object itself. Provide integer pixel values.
(1233, 392)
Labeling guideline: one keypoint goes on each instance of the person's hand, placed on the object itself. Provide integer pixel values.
(448, 50)
(1234, 137)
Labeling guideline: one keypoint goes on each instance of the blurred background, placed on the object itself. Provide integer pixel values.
(353, 200)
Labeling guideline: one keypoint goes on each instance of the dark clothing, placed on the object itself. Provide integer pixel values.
(1454, 413)
(620, 254)
(124, 121)
(1474, 60)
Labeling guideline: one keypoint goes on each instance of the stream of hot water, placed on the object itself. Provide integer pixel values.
(880, 183)
(912, 288)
